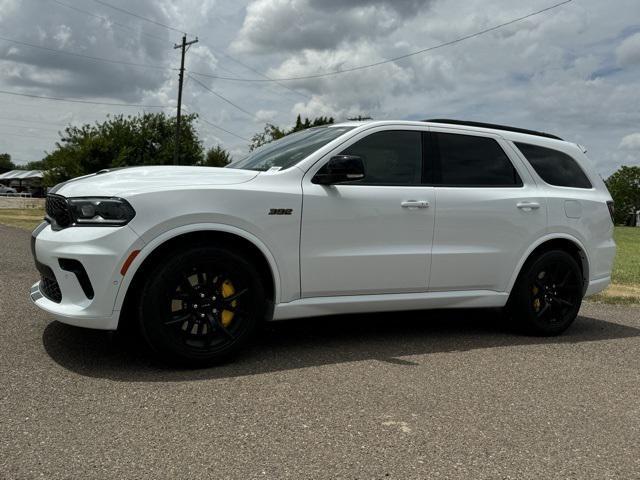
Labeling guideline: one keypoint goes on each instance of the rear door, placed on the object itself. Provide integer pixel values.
(372, 236)
(489, 211)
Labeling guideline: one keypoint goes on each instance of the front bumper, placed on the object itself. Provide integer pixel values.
(101, 251)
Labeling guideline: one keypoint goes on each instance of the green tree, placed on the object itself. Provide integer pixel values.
(6, 163)
(272, 132)
(360, 118)
(269, 134)
(624, 186)
(147, 139)
(217, 157)
(35, 165)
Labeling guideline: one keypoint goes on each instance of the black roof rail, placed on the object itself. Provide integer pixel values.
(494, 126)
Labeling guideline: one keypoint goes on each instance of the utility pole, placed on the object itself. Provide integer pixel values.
(184, 46)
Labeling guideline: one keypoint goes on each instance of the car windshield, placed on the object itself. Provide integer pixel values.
(289, 150)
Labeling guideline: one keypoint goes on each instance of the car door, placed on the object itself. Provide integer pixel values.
(371, 236)
(489, 211)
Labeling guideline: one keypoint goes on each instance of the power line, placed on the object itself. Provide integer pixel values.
(122, 10)
(258, 72)
(131, 29)
(394, 59)
(222, 97)
(71, 100)
(107, 19)
(87, 57)
(220, 128)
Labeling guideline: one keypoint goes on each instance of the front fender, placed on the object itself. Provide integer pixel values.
(158, 240)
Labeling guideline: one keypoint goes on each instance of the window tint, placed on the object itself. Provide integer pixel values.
(554, 167)
(390, 158)
(467, 160)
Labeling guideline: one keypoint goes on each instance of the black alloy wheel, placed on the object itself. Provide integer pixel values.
(201, 306)
(548, 294)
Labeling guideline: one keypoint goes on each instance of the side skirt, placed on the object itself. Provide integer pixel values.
(318, 306)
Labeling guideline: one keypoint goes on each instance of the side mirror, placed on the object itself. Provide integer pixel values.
(341, 168)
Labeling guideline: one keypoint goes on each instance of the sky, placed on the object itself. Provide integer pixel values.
(573, 71)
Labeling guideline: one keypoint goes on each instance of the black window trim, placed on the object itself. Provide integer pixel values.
(437, 160)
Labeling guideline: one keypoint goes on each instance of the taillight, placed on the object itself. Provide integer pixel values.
(612, 210)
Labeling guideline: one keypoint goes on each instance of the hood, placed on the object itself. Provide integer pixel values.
(118, 182)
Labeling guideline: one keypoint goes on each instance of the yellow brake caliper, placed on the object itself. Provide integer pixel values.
(536, 301)
(227, 290)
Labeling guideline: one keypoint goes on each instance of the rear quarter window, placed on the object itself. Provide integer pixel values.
(554, 167)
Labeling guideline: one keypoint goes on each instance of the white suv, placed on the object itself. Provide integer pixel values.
(353, 217)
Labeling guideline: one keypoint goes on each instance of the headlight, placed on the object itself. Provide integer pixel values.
(100, 211)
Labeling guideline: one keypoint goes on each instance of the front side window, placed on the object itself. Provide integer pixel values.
(554, 167)
(390, 158)
(289, 150)
(472, 161)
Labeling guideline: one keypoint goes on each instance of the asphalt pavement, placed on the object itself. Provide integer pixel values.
(447, 394)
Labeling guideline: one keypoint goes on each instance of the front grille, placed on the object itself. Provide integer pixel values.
(57, 211)
(50, 289)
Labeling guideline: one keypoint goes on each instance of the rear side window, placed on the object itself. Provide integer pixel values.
(471, 161)
(554, 167)
(390, 158)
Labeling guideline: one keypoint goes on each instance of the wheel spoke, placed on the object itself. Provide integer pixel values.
(216, 325)
(564, 302)
(186, 287)
(565, 279)
(235, 296)
(180, 319)
(543, 310)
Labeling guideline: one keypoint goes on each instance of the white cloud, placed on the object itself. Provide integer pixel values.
(628, 52)
(62, 36)
(630, 142)
(266, 115)
(293, 25)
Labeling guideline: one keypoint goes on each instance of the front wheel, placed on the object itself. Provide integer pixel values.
(201, 306)
(547, 295)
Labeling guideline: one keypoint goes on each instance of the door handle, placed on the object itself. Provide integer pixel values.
(528, 206)
(415, 204)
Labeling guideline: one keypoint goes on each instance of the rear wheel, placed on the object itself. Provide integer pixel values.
(201, 306)
(547, 296)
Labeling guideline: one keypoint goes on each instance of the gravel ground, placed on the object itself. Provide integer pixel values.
(425, 395)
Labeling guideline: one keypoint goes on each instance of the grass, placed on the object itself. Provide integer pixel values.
(627, 267)
(625, 287)
(25, 218)
(625, 278)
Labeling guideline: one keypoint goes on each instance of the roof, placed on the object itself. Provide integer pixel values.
(21, 174)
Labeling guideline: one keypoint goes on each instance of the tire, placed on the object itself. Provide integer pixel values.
(201, 306)
(547, 295)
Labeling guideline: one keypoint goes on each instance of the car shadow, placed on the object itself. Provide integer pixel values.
(386, 337)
